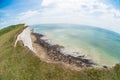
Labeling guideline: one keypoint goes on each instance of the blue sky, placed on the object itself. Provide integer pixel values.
(100, 13)
(114, 3)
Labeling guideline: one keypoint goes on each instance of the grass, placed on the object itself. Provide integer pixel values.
(20, 63)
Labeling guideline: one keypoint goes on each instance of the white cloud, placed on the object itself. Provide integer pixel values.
(75, 6)
(89, 12)
(27, 14)
(115, 12)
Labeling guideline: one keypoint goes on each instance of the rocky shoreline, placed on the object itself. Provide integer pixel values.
(55, 53)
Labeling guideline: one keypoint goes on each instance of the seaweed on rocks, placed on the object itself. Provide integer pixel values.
(54, 51)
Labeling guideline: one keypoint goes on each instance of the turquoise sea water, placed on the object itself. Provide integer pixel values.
(100, 45)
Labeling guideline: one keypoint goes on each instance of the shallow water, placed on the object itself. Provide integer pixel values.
(98, 44)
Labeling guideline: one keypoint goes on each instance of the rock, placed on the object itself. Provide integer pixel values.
(105, 66)
(55, 53)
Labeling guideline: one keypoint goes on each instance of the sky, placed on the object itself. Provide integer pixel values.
(99, 13)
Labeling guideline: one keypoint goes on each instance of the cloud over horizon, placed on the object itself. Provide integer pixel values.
(88, 12)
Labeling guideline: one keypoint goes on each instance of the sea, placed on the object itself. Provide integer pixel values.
(100, 45)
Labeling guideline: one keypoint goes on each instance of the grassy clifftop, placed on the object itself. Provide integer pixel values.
(21, 64)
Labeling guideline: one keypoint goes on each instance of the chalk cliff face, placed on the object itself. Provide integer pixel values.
(25, 37)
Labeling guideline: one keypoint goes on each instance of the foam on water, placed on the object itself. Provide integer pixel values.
(101, 45)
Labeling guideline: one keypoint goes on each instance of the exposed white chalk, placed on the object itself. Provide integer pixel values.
(25, 37)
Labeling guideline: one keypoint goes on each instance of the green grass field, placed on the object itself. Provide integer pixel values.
(21, 64)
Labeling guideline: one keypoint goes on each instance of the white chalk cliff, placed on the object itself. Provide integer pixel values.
(25, 37)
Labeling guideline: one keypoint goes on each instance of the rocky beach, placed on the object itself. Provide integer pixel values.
(56, 53)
